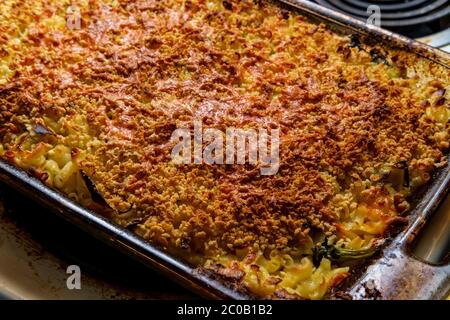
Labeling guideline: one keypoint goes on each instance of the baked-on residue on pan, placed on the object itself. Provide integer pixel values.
(91, 92)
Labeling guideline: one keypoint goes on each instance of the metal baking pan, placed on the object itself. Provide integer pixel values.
(395, 274)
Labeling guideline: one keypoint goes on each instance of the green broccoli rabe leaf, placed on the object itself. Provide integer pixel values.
(339, 254)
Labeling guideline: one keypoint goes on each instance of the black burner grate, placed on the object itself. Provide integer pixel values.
(411, 17)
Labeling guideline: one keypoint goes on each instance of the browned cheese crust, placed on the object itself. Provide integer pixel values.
(114, 90)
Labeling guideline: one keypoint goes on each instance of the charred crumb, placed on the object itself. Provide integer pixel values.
(415, 120)
(345, 51)
(382, 111)
(285, 295)
(341, 295)
(370, 291)
(216, 272)
(227, 5)
(285, 14)
(185, 243)
(378, 57)
(355, 41)
(233, 274)
(74, 152)
(258, 2)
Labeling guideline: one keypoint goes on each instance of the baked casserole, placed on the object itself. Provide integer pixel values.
(92, 91)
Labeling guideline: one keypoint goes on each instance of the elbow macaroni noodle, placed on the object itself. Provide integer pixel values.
(58, 147)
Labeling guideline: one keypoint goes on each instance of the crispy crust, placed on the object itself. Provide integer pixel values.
(348, 116)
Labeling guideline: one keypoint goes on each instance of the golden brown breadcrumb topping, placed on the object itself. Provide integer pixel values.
(361, 127)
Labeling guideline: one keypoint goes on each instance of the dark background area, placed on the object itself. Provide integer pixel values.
(44, 231)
